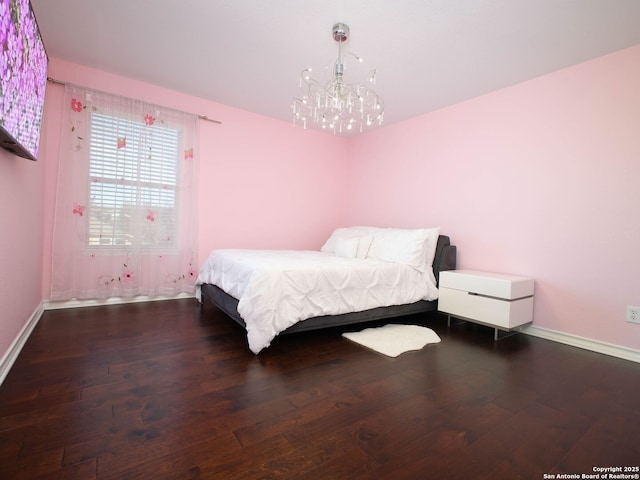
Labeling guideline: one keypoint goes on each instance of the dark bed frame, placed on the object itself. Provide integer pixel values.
(445, 259)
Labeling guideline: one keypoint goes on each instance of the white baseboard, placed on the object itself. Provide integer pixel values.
(55, 305)
(15, 348)
(585, 343)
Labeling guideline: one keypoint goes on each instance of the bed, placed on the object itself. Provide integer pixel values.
(361, 274)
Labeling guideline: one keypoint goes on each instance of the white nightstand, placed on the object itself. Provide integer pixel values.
(504, 302)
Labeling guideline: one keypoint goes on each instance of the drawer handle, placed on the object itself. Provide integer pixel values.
(498, 298)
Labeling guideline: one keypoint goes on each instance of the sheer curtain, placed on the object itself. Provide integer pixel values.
(125, 215)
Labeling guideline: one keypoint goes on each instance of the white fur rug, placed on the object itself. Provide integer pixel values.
(392, 340)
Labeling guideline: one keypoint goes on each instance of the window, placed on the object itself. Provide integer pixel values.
(133, 174)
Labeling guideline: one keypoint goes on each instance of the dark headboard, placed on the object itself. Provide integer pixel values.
(445, 258)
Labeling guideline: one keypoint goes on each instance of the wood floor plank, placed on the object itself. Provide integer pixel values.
(170, 390)
(31, 463)
(611, 437)
(180, 460)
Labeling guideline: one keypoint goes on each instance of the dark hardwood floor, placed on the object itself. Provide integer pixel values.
(170, 390)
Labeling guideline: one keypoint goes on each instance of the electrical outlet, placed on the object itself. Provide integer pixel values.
(633, 314)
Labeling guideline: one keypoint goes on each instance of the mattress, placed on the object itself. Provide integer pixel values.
(278, 288)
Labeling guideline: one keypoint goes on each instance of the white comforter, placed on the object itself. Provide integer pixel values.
(277, 288)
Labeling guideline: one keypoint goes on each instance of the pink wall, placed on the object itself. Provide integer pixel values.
(263, 183)
(21, 207)
(538, 179)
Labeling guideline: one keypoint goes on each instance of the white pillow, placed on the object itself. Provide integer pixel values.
(347, 247)
(432, 244)
(415, 247)
(364, 244)
(346, 233)
(365, 247)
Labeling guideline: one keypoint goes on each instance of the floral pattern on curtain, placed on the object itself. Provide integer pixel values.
(125, 215)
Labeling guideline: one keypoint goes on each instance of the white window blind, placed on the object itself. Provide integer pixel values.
(133, 170)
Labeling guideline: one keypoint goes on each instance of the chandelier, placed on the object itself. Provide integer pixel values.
(337, 105)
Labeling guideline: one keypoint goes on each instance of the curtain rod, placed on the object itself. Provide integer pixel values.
(201, 117)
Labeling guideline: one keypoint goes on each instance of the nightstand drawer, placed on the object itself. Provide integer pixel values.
(497, 285)
(492, 311)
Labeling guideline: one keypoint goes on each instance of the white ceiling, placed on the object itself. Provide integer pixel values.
(249, 53)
